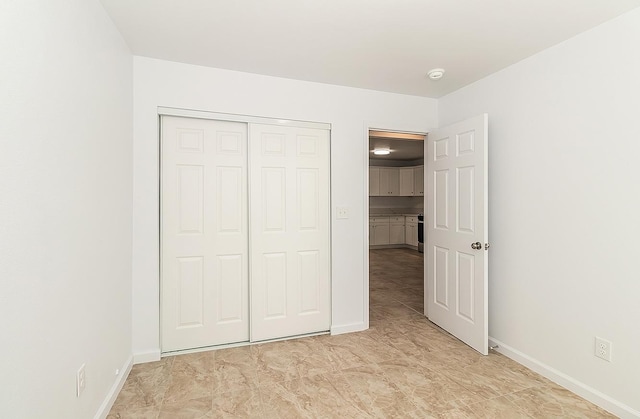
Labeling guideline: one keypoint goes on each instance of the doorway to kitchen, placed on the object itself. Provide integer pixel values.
(396, 207)
(455, 187)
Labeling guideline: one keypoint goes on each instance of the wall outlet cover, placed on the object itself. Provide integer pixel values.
(603, 349)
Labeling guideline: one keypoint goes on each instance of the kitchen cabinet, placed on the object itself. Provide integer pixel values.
(378, 230)
(389, 181)
(396, 181)
(411, 231)
(418, 181)
(407, 183)
(396, 230)
(374, 181)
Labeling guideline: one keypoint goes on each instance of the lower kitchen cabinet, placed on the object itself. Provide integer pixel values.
(379, 230)
(396, 230)
(411, 231)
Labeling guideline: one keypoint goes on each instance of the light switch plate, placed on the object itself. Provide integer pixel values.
(342, 213)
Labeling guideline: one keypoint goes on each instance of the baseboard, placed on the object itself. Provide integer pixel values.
(571, 384)
(348, 328)
(142, 357)
(106, 405)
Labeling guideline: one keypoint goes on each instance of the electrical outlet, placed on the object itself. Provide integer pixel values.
(603, 349)
(81, 381)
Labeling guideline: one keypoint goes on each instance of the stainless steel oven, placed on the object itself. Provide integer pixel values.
(420, 233)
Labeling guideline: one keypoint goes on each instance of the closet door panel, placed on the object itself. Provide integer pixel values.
(204, 233)
(289, 238)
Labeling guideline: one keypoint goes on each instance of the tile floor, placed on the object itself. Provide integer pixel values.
(402, 367)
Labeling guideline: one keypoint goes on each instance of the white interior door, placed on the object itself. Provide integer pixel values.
(289, 239)
(204, 234)
(456, 219)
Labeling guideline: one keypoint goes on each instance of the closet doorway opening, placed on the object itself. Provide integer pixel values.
(245, 229)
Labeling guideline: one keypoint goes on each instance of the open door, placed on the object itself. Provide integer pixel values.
(456, 222)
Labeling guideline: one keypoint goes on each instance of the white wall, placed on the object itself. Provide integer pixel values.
(564, 187)
(162, 83)
(65, 206)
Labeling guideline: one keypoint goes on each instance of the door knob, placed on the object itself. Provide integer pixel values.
(476, 246)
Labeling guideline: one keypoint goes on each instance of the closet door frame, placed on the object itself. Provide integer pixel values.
(188, 113)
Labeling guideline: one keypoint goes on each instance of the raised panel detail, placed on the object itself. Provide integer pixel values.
(275, 275)
(229, 199)
(273, 145)
(441, 199)
(307, 146)
(230, 143)
(464, 204)
(309, 274)
(308, 196)
(190, 140)
(465, 143)
(190, 291)
(441, 149)
(273, 198)
(190, 199)
(441, 276)
(465, 283)
(230, 291)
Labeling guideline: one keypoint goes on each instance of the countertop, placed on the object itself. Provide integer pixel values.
(394, 215)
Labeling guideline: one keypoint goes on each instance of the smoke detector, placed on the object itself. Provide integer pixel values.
(436, 73)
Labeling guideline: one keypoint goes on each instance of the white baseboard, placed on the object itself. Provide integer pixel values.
(571, 384)
(348, 328)
(142, 357)
(106, 405)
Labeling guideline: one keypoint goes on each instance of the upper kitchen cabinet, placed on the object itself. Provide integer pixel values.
(396, 181)
(418, 181)
(389, 181)
(407, 186)
(374, 181)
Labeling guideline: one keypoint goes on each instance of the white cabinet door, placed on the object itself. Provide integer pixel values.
(418, 178)
(289, 238)
(411, 231)
(378, 230)
(372, 232)
(407, 181)
(381, 235)
(456, 268)
(389, 181)
(374, 181)
(396, 230)
(204, 239)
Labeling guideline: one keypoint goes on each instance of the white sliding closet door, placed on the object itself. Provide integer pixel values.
(204, 242)
(289, 238)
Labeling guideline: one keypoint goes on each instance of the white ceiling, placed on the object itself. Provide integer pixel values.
(386, 45)
(401, 150)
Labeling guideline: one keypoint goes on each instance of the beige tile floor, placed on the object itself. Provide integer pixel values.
(402, 367)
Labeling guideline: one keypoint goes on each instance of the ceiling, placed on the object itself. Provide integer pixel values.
(374, 44)
(402, 149)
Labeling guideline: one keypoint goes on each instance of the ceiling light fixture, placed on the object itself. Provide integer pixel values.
(436, 73)
(381, 151)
